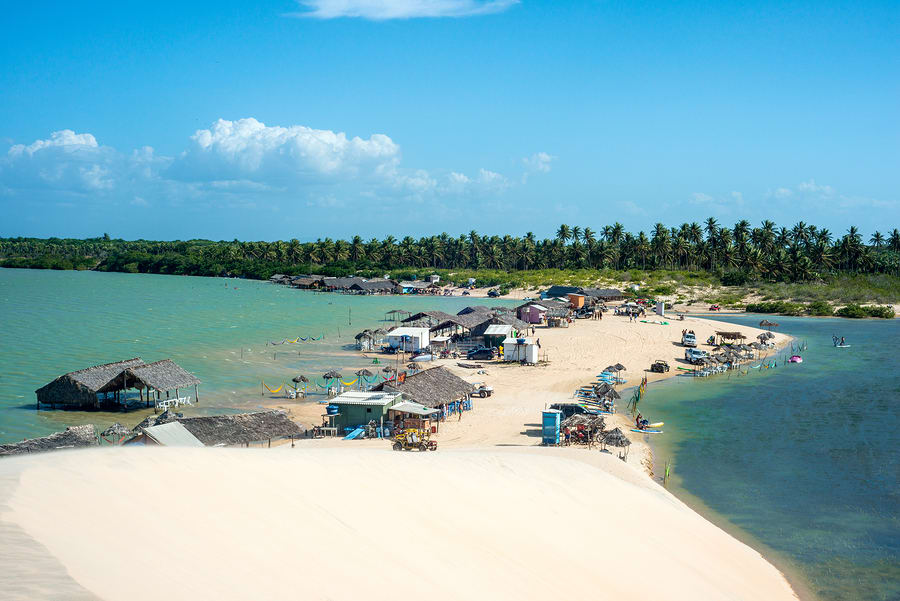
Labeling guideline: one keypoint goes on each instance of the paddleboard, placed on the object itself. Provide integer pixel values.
(656, 425)
(646, 431)
(842, 346)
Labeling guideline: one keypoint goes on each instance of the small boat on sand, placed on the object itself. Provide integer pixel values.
(795, 359)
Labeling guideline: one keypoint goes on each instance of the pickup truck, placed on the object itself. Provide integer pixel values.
(695, 356)
(689, 339)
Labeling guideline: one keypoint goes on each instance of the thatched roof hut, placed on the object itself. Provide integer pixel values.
(241, 428)
(116, 431)
(431, 387)
(160, 376)
(616, 438)
(80, 388)
(73, 437)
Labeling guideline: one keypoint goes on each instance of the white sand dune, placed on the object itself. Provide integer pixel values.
(310, 523)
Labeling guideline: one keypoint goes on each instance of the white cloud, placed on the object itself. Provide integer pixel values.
(247, 149)
(701, 198)
(381, 10)
(783, 193)
(539, 161)
(241, 161)
(811, 187)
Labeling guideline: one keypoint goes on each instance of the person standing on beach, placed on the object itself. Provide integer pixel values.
(459, 409)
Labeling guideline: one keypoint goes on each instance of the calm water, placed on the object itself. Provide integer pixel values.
(54, 322)
(804, 457)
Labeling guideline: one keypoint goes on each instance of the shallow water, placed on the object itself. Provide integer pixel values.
(802, 457)
(58, 321)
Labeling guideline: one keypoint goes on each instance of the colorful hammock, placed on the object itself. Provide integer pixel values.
(294, 341)
(273, 391)
(317, 339)
(277, 343)
(302, 338)
(349, 383)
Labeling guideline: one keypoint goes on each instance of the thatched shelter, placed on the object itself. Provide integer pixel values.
(333, 375)
(241, 428)
(721, 337)
(768, 324)
(301, 379)
(432, 387)
(81, 389)
(73, 437)
(616, 438)
(116, 432)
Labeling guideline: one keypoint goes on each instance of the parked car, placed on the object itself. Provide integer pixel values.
(569, 409)
(659, 367)
(482, 390)
(481, 353)
(688, 339)
(715, 308)
(695, 356)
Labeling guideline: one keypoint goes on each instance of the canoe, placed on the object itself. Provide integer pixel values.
(646, 431)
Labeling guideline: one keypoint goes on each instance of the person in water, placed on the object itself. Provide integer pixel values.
(640, 422)
(842, 341)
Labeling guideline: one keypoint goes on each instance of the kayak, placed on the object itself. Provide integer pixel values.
(646, 431)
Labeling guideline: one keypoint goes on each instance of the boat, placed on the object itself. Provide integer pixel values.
(424, 358)
(646, 431)
(795, 359)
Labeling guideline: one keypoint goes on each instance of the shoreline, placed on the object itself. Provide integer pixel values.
(520, 392)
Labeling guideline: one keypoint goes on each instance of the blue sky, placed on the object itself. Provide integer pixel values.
(340, 117)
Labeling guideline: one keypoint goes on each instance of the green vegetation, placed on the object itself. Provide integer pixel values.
(779, 307)
(858, 311)
(802, 264)
(820, 309)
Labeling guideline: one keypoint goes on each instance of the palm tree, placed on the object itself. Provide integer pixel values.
(563, 233)
(877, 240)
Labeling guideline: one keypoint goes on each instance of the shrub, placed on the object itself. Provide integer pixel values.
(820, 309)
(664, 290)
(735, 278)
(779, 307)
(853, 311)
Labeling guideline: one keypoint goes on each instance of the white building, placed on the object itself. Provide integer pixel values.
(520, 349)
(408, 338)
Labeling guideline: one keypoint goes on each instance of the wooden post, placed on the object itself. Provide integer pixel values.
(196, 393)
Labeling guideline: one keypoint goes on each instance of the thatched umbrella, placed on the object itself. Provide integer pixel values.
(300, 379)
(768, 324)
(388, 369)
(413, 365)
(332, 375)
(616, 438)
(117, 431)
(364, 373)
(620, 367)
(610, 368)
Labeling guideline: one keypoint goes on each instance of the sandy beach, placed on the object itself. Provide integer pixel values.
(491, 515)
(575, 355)
(343, 524)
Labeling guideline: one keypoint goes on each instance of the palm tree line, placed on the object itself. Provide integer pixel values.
(799, 253)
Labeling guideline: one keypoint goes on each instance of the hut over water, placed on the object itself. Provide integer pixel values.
(90, 388)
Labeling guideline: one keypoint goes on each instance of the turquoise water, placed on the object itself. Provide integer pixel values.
(804, 457)
(58, 321)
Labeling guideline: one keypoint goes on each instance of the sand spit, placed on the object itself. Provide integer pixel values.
(342, 524)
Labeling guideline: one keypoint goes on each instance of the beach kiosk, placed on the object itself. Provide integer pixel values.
(550, 426)
(520, 349)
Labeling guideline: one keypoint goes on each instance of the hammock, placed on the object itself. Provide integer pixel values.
(387, 379)
(277, 343)
(294, 341)
(374, 379)
(317, 339)
(349, 383)
(302, 338)
(273, 391)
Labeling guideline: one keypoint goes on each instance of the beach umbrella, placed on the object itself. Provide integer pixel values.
(365, 373)
(610, 368)
(388, 369)
(620, 367)
(330, 375)
(616, 438)
(300, 379)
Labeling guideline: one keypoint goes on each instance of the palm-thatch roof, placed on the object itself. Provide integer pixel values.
(584, 419)
(71, 437)
(241, 428)
(364, 373)
(161, 375)
(616, 438)
(82, 386)
(768, 324)
(332, 374)
(155, 420)
(431, 387)
(116, 431)
(620, 367)
(299, 379)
